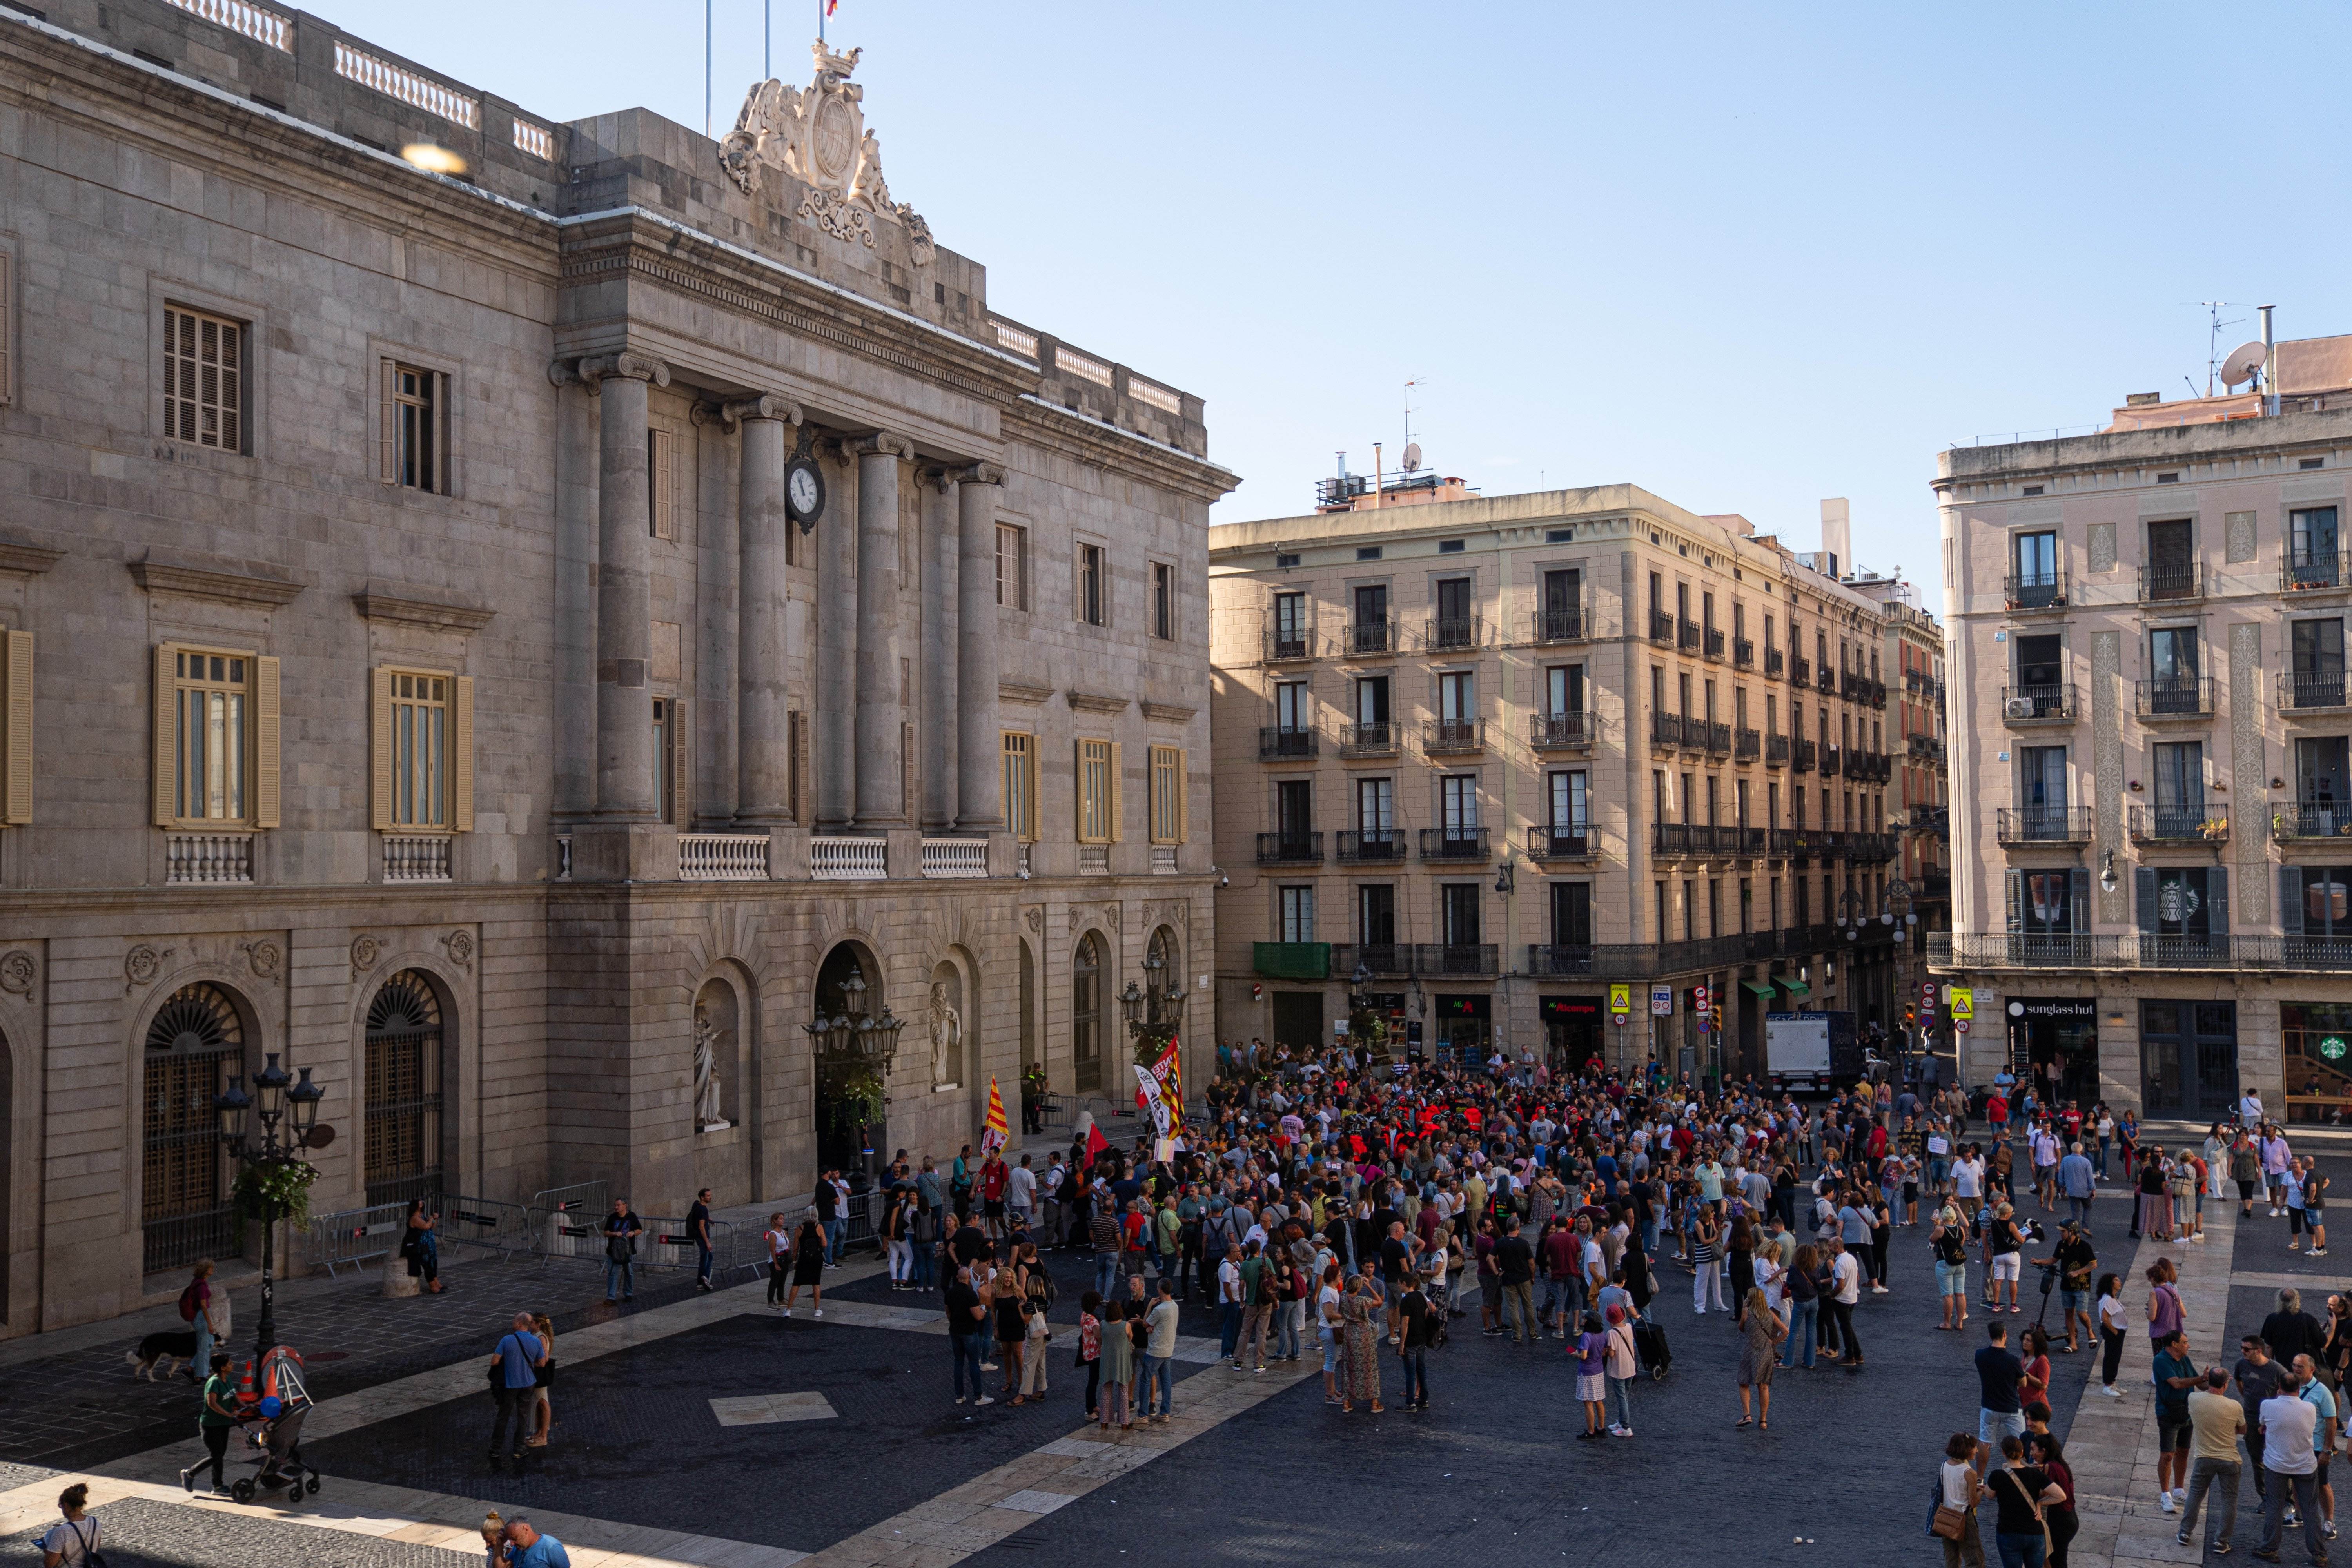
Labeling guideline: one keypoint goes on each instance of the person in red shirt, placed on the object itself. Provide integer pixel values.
(993, 1177)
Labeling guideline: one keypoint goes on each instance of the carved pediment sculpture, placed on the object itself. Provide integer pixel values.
(818, 135)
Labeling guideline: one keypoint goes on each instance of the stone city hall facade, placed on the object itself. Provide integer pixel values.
(514, 637)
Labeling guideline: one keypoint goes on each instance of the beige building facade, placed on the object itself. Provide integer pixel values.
(519, 643)
(1522, 758)
(2148, 751)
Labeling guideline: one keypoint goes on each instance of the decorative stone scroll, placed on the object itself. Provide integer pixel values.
(818, 135)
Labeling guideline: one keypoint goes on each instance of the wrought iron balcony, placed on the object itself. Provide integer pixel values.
(1373, 636)
(2029, 825)
(1743, 652)
(1285, 647)
(1380, 740)
(2167, 580)
(1289, 848)
(1665, 729)
(1568, 625)
(1452, 736)
(1801, 670)
(1447, 632)
(1718, 739)
(1772, 663)
(1385, 960)
(2185, 698)
(1467, 844)
(2039, 704)
(1925, 746)
(2305, 571)
(1432, 959)
(2200, 823)
(1570, 731)
(1686, 635)
(1747, 746)
(1574, 842)
(1776, 751)
(2035, 590)
(1280, 741)
(1713, 645)
(2311, 819)
(2302, 692)
(1833, 761)
(1661, 628)
(1371, 845)
(1800, 757)
(2134, 949)
(1825, 680)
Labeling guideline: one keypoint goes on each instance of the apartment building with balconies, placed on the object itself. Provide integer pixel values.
(2152, 826)
(1487, 759)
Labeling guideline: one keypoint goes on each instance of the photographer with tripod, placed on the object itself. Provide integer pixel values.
(2069, 1268)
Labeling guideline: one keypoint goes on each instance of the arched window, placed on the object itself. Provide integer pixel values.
(1085, 1016)
(197, 1040)
(404, 1091)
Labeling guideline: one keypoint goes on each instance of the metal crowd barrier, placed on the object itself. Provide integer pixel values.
(568, 1222)
(486, 1223)
(352, 1237)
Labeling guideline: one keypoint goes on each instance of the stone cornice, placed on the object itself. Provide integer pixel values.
(186, 573)
(1168, 712)
(1021, 691)
(1124, 451)
(1092, 702)
(435, 609)
(21, 550)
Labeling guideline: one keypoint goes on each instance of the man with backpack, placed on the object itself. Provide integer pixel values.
(621, 1229)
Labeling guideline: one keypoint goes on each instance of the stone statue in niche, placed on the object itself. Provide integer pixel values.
(947, 1038)
(707, 1110)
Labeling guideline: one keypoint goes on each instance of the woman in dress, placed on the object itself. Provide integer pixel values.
(1004, 1304)
(422, 1245)
(1357, 1310)
(808, 1262)
(1117, 1368)
(1765, 1329)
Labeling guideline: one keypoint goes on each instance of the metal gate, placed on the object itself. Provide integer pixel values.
(403, 1091)
(196, 1041)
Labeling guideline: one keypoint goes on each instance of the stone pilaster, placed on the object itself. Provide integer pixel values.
(763, 767)
(2107, 774)
(980, 772)
(625, 717)
(880, 711)
(576, 588)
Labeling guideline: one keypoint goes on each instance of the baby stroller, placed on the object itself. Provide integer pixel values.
(273, 1434)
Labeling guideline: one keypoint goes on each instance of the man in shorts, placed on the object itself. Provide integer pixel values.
(2176, 1375)
(2007, 1258)
(2075, 1259)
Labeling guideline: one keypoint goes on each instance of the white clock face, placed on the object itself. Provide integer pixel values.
(803, 491)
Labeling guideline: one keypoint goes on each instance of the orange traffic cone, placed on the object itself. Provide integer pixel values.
(244, 1393)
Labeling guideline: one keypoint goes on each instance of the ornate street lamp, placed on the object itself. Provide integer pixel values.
(277, 1097)
(853, 1039)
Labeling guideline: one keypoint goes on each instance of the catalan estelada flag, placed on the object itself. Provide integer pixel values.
(1171, 1074)
(996, 1133)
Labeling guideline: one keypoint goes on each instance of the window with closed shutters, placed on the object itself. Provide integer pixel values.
(204, 379)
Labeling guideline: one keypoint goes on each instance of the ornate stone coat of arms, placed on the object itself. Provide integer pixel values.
(817, 135)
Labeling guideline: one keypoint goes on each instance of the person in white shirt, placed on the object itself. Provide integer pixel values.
(73, 1541)
(779, 1259)
(1021, 1193)
(2290, 1423)
(1841, 1301)
(2250, 1110)
(1968, 1178)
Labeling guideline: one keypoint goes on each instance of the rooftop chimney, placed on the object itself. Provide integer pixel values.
(1837, 536)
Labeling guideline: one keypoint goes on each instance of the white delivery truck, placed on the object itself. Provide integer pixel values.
(1810, 1050)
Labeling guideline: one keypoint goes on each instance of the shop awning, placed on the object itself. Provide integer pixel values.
(1758, 988)
(1292, 960)
(1792, 987)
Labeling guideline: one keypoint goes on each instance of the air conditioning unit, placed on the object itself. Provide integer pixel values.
(2021, 708)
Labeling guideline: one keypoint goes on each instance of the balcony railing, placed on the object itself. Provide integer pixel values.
(1665, 731)
(1574, 842)
(1800, 671)
(1743, 652)
(1285, 647)
(1453, 843)
(1163, 861)
(1747, 746)
(1935, 884)
(1772, 663)
(1561, 732)
(1385, 958)
(962, 856)
(2191, 697)
(1380, 740)
(1800, 757)
(2134, 949)
(2043, 824)
(1439, 736)
(728, 857)
(1651, 960)
(1433, 959)
(1662, 628)
(1373, 636)
(2035, 590)
(1568, 625)
(2312, 819)
(1453, 632)
(1926, 746)
(1276, 741)
(1289, 848)
(1366, 845)
(2200, 823)
(2304, 572)
(207, 857)
(2301, 694)
(2162, 580)
(1686, 635)
(1713, 645)
(2038, 704)
(847, 858)
(1718, 737)
(425, 857)
(1833, 761)
(1825, 680)
(1776, 751)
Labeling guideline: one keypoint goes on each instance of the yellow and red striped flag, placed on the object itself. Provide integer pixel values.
(997, 1132)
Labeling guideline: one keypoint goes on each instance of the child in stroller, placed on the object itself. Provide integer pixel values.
(272, 1403)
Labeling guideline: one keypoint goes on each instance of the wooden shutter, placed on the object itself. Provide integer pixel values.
(2078, 899)
(7, 320)
(461, 754)
(1183, 800)
(17, 730)
(265, 743)
(2144, 889)
(1114, 823)
(2290, 899)
(665, 466)
(681, 787)
(2217, 900)
(166, 782)
(387, 445)
(380, 749)
(2013, 883)
(1079, 777)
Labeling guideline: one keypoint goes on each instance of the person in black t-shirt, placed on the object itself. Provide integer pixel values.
(697, 1225)
(966, 1333)
(1514, 1262)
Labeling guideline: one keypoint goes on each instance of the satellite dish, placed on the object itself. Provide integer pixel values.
(1412, 456)
(2245, 364)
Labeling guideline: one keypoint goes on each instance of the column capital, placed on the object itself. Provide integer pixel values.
(591, 371)
(981, 474)
(765, 406)
(883, 443)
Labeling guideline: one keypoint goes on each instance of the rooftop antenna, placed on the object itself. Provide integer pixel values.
(2213, 338)
(1411, 446)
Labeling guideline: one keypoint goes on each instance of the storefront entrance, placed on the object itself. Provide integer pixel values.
(2316, 1038)
(1464, 1025)
(2188, 1058)
(1571, 1030)
(2053, 1045)
(1298, 1019)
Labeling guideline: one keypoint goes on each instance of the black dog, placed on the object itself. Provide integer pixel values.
(159, 1348)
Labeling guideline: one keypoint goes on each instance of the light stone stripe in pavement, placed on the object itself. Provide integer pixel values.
(964, 1519)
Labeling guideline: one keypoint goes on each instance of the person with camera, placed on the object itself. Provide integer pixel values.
(2069, 1268)
(2003, 1241)
(621, 1229)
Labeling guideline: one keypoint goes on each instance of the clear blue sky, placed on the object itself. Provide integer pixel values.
(1745, 256)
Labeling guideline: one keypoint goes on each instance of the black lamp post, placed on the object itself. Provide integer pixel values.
(277, 1098)
(854, 1037)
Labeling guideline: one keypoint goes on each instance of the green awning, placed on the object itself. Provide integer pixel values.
(1292, 960)
(1794, 988)
(1758, 988)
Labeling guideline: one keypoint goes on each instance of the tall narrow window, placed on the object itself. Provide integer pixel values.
(1290, 626)
(1098, 792)
(1297, 913)
(1163, 600)
(210, 736)
(412, 432)
(1011, 566)
(1093, 587)
(1021, 784)
(661, 484)
(664, 782)
(1086, 1014)
(1167, 795)
(203, 380)
(420, 711)
(793, 768)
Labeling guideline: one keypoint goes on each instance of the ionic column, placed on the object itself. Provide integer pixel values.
(938, 724)
(880, 710)
(980, 792)
(624, 713)
(762, 764)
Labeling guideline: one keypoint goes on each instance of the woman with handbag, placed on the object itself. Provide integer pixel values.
(2019, 1491)
(1959, 1491)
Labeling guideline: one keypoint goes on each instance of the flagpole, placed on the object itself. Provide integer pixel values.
(706, 66)
(767, 39)
(820, 21)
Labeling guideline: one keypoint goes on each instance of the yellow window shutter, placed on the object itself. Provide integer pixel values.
(461, 759)
(265, 743)
(1183, 800)
(1115, 781)
(17, 730)
(681, 754)
(167, 737)
(380, 749)
(387, 445)
(1079, 779)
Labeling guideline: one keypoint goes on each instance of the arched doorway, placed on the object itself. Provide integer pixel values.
(1085, 1016)
(852, 1105)
(195, 1045)
(403, 1109)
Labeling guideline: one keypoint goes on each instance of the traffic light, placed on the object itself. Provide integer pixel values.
(1910, 1015)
